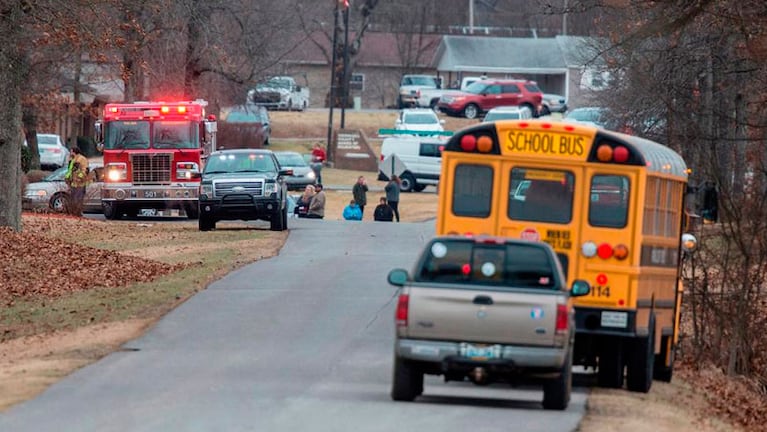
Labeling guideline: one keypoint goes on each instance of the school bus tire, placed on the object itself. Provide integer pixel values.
(662, 371)
(639, 367)
(610, 368)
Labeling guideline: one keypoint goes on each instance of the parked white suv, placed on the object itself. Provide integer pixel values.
(416, 160)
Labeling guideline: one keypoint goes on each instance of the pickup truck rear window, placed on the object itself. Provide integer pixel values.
(505, 265)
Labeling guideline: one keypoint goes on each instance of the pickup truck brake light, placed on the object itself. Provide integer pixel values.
(402, 310)
(562, 319)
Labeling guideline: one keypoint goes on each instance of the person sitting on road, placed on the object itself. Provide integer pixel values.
(383, 212)
(317, 205)
(302, 205)
(352, 211)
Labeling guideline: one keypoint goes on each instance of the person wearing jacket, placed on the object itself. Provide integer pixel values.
(383, 213)
(317, 205)
(352, 211)
(76, 178)
(360, 191)
(392, 194)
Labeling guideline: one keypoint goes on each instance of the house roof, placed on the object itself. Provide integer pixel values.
(579, 51)
(377, 49)
(500, 55)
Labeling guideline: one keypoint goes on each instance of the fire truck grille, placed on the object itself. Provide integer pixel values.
(243, 189)
(266, 97)
(151, 168)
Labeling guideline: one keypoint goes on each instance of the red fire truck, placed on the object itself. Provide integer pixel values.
(151, 150)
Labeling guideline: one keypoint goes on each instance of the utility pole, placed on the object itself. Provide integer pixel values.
(471, 16)
(346, 65)
(332, 97)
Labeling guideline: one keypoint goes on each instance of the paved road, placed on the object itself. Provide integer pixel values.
(299, 342)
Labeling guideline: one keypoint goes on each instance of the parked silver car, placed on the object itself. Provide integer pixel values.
(553, 103)
(52, 193)
(302, 172)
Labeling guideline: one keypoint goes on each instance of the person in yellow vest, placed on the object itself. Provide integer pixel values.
(77, 179)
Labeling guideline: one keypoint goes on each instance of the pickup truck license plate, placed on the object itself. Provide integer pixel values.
(614, 319)
(480, 352)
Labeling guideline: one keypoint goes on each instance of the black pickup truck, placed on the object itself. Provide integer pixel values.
(245, 184)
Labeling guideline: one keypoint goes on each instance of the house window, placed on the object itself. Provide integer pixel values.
(357, 82)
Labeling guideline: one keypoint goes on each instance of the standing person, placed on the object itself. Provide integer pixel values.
(383, 212)
(392, 194)
(76, 178)
(318, 159)
(352, 211)
(360, 191)
(302, 205)
(317, 205)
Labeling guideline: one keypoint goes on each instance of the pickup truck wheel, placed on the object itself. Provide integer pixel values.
(112, 211)
(407, 182)
(610, 370)
(662, 371)
(433, 106)
(556, 392)
(407, 382)
(285, 218)
(639, 367)
(277, 219)
(471, 111)
(290, 105)
(206, 222)
(419, 187)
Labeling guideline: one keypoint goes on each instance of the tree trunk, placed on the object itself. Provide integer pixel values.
(29, 121)
(12, 76)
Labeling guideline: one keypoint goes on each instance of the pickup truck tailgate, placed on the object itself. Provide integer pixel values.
(518, 317)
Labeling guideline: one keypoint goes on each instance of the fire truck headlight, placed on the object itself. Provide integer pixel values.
(117, 171)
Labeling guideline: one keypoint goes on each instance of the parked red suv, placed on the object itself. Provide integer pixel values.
(483, 95)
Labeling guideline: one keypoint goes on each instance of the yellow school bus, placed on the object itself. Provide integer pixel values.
(611, 206)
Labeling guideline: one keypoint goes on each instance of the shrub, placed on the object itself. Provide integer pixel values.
(26, 158)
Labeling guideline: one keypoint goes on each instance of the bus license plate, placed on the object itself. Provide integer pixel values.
(614, 319)
(479, 352)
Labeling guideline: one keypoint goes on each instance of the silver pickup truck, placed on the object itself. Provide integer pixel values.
(488, 310)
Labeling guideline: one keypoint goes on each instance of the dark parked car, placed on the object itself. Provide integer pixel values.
(244, 126)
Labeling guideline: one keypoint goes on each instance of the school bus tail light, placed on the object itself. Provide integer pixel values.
(605, 251)
(607, 153)
(468, 143)
(621, 252)
(589, 249)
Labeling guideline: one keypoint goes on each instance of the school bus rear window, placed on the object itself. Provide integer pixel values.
(541, 195)
(608, 201)
(472, 196)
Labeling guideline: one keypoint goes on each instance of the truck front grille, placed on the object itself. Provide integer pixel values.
(253, 188)
(151, 168)
(266, 97)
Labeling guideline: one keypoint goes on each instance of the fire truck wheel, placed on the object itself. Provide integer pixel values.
(192, 211)
(112, 211)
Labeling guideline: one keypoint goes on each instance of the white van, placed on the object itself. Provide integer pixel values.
(416, 160)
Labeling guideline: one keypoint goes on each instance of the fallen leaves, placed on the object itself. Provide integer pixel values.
(44, 260)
